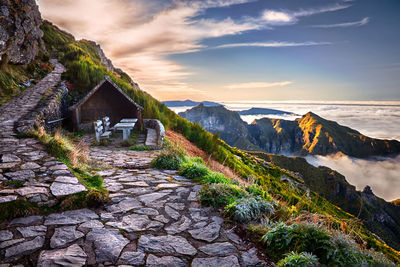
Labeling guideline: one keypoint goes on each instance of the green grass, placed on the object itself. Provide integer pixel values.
(74, 156)
(15, 184)
(13, 76)
(139, 148)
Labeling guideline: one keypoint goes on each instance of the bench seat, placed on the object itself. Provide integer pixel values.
(106, 134)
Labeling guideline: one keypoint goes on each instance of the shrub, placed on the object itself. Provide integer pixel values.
(307, 237)
(220, 195)
(345, 251)
(294, 259)
(215, 178)
(374, 258)
(170, 159)
(193, 170)
(248, 209)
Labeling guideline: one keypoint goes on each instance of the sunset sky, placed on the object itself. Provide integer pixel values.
(245, 50)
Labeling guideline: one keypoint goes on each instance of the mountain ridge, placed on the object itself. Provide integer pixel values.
(308, 135)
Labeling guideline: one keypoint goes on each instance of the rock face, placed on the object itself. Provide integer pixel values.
(20, 34)
(106, 61)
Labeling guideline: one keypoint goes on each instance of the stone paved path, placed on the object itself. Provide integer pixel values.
(26, 170)
(154, 219)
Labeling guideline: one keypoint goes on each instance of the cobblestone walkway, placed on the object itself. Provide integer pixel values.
(154, 219)
(26, 170)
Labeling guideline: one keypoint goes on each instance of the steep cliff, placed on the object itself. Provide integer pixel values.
(20, 34)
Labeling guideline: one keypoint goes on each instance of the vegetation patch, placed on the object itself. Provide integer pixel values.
(139, 148)
(249, 209)
(74, 156)
(294, 259)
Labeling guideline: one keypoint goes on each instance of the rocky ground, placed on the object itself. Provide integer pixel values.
(27, 171)
(154, 218)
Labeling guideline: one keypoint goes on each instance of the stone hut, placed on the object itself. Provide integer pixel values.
(106, 99)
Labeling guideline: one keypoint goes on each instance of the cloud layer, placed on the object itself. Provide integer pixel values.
(253, 85)
(382, 175)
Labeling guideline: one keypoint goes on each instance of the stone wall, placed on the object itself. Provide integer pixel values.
(53, 107)
(158, 127)
(20, 34)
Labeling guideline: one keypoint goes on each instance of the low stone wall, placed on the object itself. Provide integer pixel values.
(158, 127)
(52, 108)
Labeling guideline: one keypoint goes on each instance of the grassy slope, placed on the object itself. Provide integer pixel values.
(13, 76)
(84, 70)
(333, 186)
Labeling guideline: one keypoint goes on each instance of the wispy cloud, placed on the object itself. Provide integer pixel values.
(139, 35)
(282, 17)
(256, 85)
(273, 44)
(359, 23)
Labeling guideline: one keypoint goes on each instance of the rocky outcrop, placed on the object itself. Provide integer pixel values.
(228, 124)
(20, 34)
(106, 61)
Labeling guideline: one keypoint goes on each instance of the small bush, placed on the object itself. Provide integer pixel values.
(294, 259)
(170, 159)
(167, 161)
(248, 209)
(215, 178)
(374, 258)
(345, 251)
(312, 238)
(220, 195)
(193, 170)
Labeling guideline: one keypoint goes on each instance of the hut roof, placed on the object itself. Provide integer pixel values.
(94, 90)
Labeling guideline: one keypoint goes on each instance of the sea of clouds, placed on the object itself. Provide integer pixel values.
(377, 119)
(382, 175)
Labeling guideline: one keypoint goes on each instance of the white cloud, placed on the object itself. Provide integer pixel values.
(275, 17)
(313, 11)
(359, 23)
(255, 85)
(273, 44)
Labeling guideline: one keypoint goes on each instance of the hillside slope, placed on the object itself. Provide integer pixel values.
(381, 217)
(309, 134)
(85, 69)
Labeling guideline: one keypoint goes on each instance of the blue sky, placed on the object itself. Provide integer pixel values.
(246, 50)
